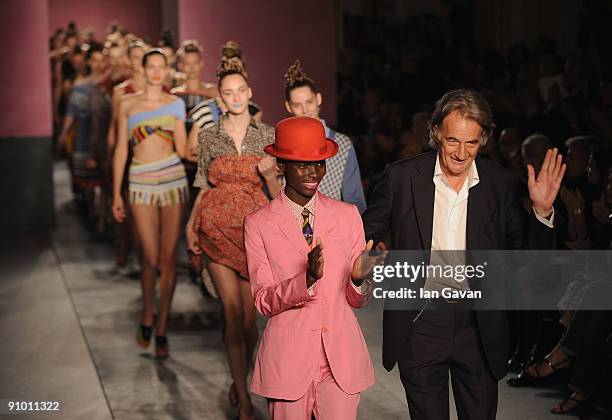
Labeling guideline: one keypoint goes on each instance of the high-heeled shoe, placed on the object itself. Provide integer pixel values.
(162, 348)
(576, 406)
(524, 378)
(519, 361)
(143, 335)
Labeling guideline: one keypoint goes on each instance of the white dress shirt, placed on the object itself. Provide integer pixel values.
(449, 224)
(450, 210)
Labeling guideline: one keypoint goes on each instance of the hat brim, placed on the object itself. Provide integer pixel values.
(330, 145)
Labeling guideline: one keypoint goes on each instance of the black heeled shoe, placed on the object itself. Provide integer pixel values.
(162, 349)
(578, 407)
(518, 362)
(525, 379)
(143, 335)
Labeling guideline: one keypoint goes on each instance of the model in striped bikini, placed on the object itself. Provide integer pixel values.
(152, 125)
(160, 183)
(126, 231)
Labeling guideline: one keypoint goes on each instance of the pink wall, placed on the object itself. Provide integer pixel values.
(141, 17)
(25, 103)
(272, 35)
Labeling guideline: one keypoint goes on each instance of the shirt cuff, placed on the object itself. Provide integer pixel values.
(547, 222)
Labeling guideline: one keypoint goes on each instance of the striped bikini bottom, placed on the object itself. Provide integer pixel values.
(161, 183)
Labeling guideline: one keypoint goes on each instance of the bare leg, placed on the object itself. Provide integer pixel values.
(125, 232)
(171, 217)
(251, 333)
(146, 218)
(135, 241)
(228, 284)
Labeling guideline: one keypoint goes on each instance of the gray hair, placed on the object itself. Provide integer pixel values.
(471, 104)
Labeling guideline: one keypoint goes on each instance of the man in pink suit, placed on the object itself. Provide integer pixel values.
(303, 253)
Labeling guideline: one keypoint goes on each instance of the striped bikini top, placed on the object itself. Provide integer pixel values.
(160, 121)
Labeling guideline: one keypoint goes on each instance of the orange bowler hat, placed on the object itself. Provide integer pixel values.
(302, 139)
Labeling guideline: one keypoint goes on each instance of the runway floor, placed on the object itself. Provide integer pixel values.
(68, 325)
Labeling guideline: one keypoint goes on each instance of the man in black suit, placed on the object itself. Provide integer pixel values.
(452, 199)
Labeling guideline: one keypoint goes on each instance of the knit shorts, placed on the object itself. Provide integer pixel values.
(161, 183)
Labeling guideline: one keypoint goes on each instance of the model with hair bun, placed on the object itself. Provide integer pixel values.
(233, 174)
(207, 113)
(343, 179)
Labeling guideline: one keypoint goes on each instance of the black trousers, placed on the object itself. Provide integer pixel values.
(441, 342)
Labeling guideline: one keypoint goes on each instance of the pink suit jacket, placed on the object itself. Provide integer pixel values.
(289, 352)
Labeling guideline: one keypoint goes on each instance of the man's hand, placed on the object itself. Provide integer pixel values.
(544, 189)
(315, 264)
(364, 264)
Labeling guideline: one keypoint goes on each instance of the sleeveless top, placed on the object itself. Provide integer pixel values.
(160, 121)
(129, 88)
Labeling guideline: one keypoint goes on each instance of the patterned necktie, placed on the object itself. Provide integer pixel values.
(306, 228)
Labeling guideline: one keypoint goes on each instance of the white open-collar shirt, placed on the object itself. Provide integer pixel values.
(450, 210)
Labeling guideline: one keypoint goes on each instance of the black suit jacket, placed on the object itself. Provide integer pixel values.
(402, 204)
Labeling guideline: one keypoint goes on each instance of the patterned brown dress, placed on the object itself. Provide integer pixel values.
(232, 189)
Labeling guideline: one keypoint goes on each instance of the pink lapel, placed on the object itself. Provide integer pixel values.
(324, 217)
(288, 225)
(324, 221)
